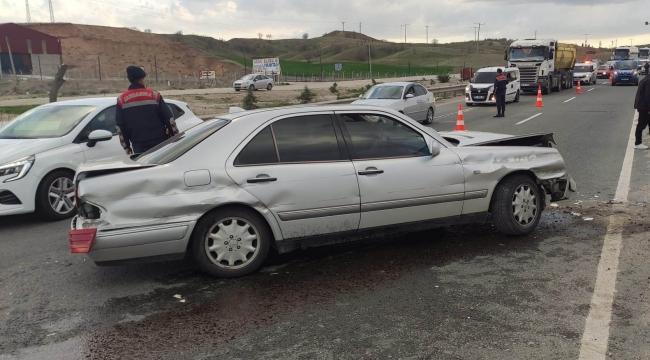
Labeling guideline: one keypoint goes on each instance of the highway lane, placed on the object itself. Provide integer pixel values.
(464, 293)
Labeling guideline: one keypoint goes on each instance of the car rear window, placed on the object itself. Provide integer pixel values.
(174, 147)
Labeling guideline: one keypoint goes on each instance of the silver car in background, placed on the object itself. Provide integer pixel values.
(253, 82)
(409, 98)
(227, 191)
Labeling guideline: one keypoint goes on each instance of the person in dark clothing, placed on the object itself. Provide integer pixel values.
(500, 84)
(142, 117)
(642, 105)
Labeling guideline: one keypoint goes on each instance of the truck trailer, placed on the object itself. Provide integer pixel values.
(542, 62)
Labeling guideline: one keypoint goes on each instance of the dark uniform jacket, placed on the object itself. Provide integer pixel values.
(642, 100)
(500, 84)
(143, 118)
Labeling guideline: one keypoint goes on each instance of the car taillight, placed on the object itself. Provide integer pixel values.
(81, 240)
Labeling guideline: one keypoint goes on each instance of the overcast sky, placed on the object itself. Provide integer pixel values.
(448, 20)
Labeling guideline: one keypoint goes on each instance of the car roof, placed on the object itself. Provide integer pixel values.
(494, 69)
(99, 101)
(269, 113)
(398, 83)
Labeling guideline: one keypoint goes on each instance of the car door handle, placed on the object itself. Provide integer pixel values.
(261, 178)
(371, 171)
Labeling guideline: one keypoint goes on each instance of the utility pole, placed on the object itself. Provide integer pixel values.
(99, 68)
(427, 27)
(27, 14)
(369, 60)
(478, 35)
(343, 23)
(359, 27)
(404, 26)
(51, 11)
(535, 37)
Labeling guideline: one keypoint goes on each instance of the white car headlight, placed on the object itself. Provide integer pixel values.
(18, 168)
(468, 88)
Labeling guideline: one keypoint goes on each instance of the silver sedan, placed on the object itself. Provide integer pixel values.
(229, 190)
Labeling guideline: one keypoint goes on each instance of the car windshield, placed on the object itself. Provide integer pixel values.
(602, 67)
(46, 122)
(384, 92)
(625, 65)
(582, 68)
(484, 77)
(247, 77)
(172, 148)
(621, 53)
(528, 53)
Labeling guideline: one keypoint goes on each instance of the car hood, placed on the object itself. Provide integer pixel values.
(480, 86)
(625, 71)
(582, 73)
(14, 149)
(477, 138)
(391, 103)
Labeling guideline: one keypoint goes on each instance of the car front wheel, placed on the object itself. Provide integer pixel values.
(231, 242)
(55, 195)
(269, 87)
(517, 205)
(429, 119)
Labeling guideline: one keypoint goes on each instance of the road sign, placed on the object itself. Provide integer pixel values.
(208, 75)
(338, 67)
(269, 66)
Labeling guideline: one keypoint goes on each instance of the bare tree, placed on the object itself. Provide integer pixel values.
(305, 36)
(58, 81)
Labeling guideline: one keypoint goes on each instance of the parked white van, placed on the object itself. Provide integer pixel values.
(481, 88)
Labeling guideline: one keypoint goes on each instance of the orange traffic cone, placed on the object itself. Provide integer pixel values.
(539, 102)
(578, 88)
(460, 119)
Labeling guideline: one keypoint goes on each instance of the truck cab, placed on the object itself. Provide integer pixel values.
(625, 53)
(542, 63)
(481, 87)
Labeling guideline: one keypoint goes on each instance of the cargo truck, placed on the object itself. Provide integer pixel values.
(542, 62)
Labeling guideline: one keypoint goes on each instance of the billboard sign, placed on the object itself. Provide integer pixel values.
(338, 67)
(268, 66)
(208, 75)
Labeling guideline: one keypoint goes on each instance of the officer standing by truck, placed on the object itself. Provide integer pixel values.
(142, 117)
(500, 85)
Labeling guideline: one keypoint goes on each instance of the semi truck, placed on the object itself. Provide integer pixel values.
(542, 62)
(625, 53)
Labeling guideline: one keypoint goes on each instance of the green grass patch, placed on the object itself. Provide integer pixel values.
(16, 110)
(303, 68)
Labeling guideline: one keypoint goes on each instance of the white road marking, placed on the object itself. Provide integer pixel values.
(593, 345)
(567, 100)
(528, 119)
(452, 114)
(592, 89)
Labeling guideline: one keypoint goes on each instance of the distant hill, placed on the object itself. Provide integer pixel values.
(184, 55)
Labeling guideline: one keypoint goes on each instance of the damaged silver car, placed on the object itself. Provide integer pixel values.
(227, 191)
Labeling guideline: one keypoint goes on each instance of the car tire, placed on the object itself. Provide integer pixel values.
(469, 104)
(217, 239)
(429, 119)
(237, 89)
(517, 205)
(52, 193)
(516, 97)
(251, 88)
(269, 87)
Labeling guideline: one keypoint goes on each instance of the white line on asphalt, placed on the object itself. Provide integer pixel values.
(592, 89)
(567, 100)
(528, 119)
(452, 114)
(596, 335)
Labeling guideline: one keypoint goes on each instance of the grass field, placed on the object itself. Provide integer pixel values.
(300, 68)
(15, 110)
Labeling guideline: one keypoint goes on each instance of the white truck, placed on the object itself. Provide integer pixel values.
(625, 53)
(542, 62)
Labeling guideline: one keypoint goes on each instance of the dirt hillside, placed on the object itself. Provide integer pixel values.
(120, 47)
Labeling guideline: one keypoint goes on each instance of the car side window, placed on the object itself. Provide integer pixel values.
(105, 120)
(372, 136)
(307, 138)
(420, 90)
(176, 110)
(410, 90)
(260, 150)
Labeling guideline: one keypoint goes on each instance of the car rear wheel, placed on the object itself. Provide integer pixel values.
(269, 87)
(517, 205)
(429, 118)
(231, 242)
(55, 195)
(517, 97)
(251, 88)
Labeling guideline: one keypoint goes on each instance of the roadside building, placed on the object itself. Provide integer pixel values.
(24, 51)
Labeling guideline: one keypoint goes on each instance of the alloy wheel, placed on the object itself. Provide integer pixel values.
(61, 195)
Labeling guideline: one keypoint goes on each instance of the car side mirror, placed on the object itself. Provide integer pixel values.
(409, 96)
(98, 135)
(434, 148)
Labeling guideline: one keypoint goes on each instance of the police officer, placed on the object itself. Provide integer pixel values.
(143, 119)
(642, 105)
(500, 84)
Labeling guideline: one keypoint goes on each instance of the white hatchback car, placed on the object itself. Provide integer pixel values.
(41, 149)
(409, 98)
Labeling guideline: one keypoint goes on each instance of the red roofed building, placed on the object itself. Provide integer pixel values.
(28, 52)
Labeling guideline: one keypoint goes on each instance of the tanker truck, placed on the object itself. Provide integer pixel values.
(542, 62)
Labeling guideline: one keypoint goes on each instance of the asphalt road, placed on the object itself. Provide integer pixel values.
(462, 293)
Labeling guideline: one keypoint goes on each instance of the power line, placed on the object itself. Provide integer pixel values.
(51, 11)
(404, 26)
(427, 27)
(478, 35)
(27, 14)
